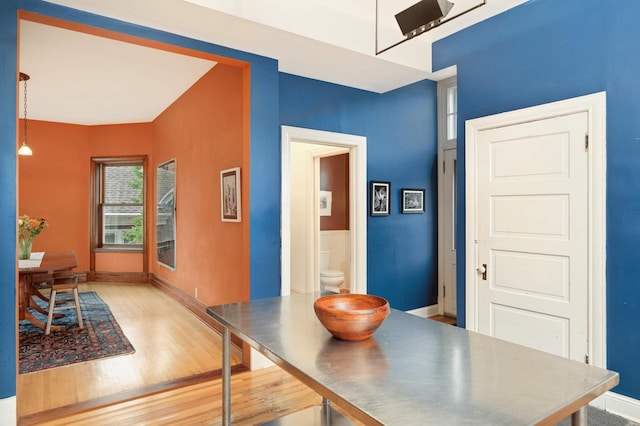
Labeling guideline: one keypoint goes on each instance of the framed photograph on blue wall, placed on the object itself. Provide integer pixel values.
(412, 200)
(380, 198)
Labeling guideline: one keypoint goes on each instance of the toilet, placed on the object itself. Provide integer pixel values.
(330, 280)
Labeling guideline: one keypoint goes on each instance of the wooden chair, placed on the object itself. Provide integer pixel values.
(64, 283)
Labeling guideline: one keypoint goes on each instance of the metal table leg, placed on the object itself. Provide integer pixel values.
(226, 377)
(579, 418)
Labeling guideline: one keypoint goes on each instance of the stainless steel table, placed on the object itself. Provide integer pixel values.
(413, 371)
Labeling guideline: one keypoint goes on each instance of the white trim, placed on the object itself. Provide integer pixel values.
(357, 146)
(8, 411)
(620, 405)
(259, 361)
(595, 106)
(426, 311)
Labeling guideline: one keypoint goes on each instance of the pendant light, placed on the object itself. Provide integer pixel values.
(24, 149)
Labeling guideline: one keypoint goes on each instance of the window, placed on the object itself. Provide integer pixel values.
(119, 194)
(452, 112)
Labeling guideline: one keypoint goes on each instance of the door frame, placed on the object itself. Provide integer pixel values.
(357, 146)
(595, 106)
(444, 210)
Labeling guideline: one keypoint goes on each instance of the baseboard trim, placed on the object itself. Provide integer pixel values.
(118, 277)
(621, 405)
(196, 307)
(8, 411)
(425, 312)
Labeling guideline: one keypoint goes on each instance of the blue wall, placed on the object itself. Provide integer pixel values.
(548, 50)
(8, 67)
(400, 127)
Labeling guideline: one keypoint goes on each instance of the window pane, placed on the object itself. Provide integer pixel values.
(123, 184)
(122, 225)
(452, 100)
(452, 113)
(452, 128)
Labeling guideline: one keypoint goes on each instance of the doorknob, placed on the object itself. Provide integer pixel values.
(483, 270)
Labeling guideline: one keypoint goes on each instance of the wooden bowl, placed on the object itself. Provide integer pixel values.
(351, 316)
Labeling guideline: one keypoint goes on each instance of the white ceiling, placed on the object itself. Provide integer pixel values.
(83, 79)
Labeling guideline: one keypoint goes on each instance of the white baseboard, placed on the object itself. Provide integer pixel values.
(8, 411)
(425, 312)
(259, 361)
(621, 405)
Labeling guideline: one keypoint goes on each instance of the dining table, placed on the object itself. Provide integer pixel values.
(40, 265)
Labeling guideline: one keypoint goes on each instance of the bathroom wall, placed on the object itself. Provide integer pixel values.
(334, 177)
(334, 229)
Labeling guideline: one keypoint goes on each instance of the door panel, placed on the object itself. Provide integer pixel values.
(533, 234)
(552, 332)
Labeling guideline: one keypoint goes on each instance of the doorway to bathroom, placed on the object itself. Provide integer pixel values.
(323, 211)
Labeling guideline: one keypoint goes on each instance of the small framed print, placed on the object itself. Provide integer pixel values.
(380, 198)
(230, 195)
(412, 200)
(325, 203)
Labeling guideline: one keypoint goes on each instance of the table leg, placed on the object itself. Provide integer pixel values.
(579, 418)
(325, 416)
(226, 377)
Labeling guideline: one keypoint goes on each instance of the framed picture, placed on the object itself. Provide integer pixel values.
(380, 198)
(230, 195)
(325, 203)
(166, 214)
(412, 200)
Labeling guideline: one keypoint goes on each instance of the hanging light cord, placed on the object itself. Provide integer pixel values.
(25, 111)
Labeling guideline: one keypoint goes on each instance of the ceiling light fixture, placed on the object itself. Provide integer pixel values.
(423, 16)
(24, 149)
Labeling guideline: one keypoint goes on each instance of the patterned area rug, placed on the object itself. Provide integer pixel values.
(101, 337)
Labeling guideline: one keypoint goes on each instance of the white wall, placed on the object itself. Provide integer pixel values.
(301, 182)
(339, 243)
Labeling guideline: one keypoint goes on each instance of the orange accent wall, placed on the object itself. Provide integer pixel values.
(204, 131)
(54, 182)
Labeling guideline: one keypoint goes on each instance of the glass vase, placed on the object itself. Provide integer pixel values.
(24, 248)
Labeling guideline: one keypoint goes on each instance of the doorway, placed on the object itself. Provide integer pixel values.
(535, 214)
(315, 145)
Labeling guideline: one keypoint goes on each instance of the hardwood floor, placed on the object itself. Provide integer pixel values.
(257, 397)
(444, 318)
(172, 379)
(171, 345)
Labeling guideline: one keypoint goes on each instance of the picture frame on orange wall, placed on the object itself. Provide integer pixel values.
(230, 196)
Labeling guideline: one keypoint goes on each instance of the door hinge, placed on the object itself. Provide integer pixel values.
(586, 358)
(586, 142)
(444, 167)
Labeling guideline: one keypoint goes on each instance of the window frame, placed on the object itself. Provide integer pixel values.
(98, 168)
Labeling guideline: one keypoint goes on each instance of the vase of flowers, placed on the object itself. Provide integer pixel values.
(28, 228)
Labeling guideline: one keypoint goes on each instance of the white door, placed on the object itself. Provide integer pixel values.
(533, 203)
(449, 230)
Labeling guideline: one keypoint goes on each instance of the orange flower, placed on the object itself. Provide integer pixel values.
(29, 227)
